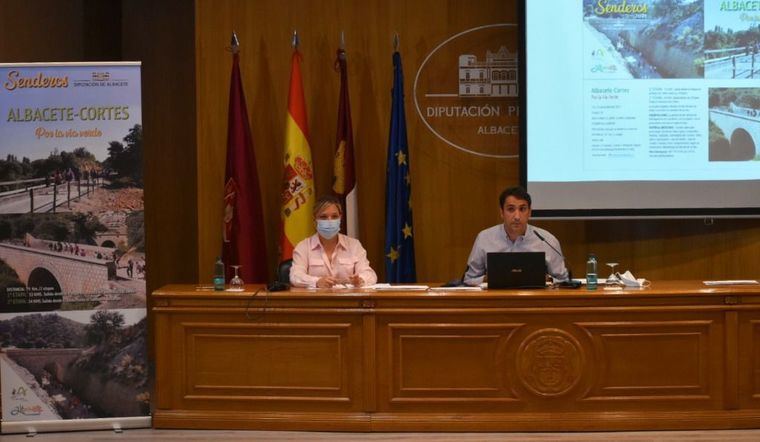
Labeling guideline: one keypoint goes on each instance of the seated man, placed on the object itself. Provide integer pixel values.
(514, 235)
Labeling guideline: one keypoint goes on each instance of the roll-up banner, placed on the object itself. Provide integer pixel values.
(73, 326)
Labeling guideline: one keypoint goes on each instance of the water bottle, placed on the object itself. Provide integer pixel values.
(591, 272)
(218, 274)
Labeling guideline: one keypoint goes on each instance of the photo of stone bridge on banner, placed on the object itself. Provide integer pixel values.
(85, 251)
(77, 271)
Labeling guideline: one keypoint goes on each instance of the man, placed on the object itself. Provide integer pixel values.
(514, 235)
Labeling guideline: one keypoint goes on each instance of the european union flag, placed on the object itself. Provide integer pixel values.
(399, 241)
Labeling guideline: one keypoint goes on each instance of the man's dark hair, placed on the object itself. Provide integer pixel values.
(518, 192)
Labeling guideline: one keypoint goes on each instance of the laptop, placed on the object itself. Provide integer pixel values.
(507, 270)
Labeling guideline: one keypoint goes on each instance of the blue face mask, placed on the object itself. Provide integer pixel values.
(328, 228)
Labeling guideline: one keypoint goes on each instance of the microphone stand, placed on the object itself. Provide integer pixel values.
(564, 284)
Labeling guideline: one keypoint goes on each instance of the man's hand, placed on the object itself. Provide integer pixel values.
(326, 282)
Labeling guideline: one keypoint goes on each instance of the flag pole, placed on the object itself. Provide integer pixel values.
(295, 41)
(234, 43)
(395, 42)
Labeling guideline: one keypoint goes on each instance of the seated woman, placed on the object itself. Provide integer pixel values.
(328, 258)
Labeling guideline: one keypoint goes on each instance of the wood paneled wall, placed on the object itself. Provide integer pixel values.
(161, 35)
(185, 88)
(454, 194)
(44, 30)
(664, 249)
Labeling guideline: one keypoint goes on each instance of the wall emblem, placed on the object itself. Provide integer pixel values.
(466, 91)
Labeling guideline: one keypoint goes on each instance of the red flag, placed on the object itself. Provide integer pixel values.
(243, 237)
(344, 178)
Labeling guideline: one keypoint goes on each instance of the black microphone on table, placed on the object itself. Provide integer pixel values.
(566, 284)
(277, 286)
(458, 282)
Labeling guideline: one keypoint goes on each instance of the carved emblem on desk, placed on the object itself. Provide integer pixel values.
(549, 362)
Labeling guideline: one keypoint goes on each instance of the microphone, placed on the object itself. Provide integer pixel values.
(569, 283)
(277, 286)
(458, 282)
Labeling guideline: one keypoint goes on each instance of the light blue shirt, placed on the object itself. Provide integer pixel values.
(495, 239)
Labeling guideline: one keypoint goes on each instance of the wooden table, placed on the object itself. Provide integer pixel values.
(677, 355)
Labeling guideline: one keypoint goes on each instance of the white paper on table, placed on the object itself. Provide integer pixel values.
(385, 286)
(732, 282)
(466, 288)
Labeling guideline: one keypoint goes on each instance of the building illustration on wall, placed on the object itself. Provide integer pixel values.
(494, 77)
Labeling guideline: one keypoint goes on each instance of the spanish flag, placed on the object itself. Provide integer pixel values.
(298, 175)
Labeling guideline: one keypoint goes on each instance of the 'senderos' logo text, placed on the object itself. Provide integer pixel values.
(16, 81)
(604, 7)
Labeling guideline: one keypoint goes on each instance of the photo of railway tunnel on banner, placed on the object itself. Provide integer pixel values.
(73, 320)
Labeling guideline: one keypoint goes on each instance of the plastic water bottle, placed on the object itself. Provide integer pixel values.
(219, 274)
(591, 272)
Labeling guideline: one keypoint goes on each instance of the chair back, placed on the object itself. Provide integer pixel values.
(283, 271)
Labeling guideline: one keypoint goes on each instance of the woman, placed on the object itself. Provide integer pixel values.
(328, 258)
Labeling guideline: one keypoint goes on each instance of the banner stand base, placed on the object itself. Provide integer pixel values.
(117, 424)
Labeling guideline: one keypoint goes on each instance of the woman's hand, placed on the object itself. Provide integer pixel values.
(326, 282)
(356, 280)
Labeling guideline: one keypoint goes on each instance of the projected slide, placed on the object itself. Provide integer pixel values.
(643, 104)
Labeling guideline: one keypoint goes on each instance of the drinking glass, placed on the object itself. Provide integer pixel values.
(613, 279)
(236, 283)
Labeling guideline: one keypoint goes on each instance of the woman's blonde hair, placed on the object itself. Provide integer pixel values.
(327, 200)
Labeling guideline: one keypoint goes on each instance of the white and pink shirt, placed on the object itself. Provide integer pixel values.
(310, 262)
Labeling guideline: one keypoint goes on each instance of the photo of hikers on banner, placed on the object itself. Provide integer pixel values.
(72, 224)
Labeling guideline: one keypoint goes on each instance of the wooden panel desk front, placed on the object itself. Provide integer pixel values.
(677, 355)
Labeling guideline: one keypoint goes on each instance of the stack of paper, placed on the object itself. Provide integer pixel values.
(456, 289)
(384, 286)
